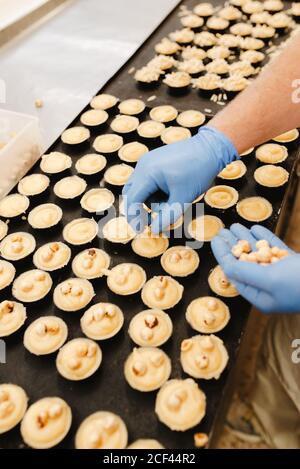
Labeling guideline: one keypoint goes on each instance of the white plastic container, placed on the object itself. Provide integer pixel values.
(20, 147)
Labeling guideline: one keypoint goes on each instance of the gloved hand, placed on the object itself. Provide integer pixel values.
(271, 288)
(182, 170)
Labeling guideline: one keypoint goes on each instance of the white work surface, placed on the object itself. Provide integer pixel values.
(67, 58)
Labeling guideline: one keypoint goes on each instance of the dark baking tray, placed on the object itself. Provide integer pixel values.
(107, 389)
(124, 85)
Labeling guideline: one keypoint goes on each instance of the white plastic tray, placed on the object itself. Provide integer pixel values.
(23, 147)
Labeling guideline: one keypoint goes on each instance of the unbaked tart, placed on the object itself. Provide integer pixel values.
(147, 368)
(78, 359)
(91, 263)
(12, 317)
(162, 292)
(150, 328)
(102, 321)
(102, 430)
(180, 404)
(32, 285)
(46, 423)
(203, 356)
(126, 279)
(220, 284)
(207, 314)
(73, 294)
(45, 335)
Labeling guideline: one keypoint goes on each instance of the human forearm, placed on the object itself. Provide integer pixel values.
(266, 108)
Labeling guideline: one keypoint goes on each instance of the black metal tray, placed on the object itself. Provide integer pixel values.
(124, 85)
(107, 389)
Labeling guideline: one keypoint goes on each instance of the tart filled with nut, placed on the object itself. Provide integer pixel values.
(12, 317)
(73, 294)
(102, 430)
(46, 423)
(13, 405)
(150, 328)
(203, 357)
(45, 335)
(102, 321)
(147, 369)
(180, 404)
(78, 359)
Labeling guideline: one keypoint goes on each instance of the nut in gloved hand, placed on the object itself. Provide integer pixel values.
(271, 288)
(264, 254)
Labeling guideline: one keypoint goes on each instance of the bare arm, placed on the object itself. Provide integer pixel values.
(269, 106)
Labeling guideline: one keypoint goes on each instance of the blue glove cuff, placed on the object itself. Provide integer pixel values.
(222, 147)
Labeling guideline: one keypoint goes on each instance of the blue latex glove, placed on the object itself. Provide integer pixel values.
(271, 288)
(182, 170)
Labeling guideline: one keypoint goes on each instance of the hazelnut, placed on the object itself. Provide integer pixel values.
(174, 402)
(82, 349)
(95, 439)
(185, 253)
(4, 396)
(163, 282)
(212, 304)
(139, 368)
(87, 263)
(74, 363)
(186, 345)
(181, 394)
(262, 243)
(244, 245)
(47, 255)
(146, 334)
(6, 408)
(55, 411)
(42, 419)
(97, 315)
(282, 253)
(264, 254)
(7, 307)
(202, 361)
(52, 328)
(110, 424)
(76, 290)
(200, 440)
(252, 257)
(237, 251)
(224, 282)
(275, 250)
(91, 350)
(54, 247)
(274, 259)
(151, 321)
(92, 252)
(159, 293)
(157, 359)
(16, 238)
(41, 329)
(40, 276)
(244, 257)
(209, 318)
(110, 311)
(17, 246)
(65, 288)
(174, 258)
